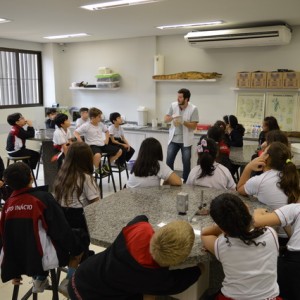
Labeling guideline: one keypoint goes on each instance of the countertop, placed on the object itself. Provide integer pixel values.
(163, 129)
(108, 216)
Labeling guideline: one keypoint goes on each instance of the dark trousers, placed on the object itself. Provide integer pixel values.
(34, 156)
(289, 275)
(126, 155)
(76, 220)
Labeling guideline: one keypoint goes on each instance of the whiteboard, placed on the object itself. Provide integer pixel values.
(284, 107)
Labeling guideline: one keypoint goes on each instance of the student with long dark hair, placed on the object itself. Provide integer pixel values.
(289, 262)
(208, 172)
(74, 188)
(149, 167)
(270, 123)
(234, 130)
(248, 255)
(279, 183)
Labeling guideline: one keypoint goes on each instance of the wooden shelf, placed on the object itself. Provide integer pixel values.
(185, 80)
(264, 90)
(93, 89)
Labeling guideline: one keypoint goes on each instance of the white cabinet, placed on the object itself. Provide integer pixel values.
(135, 139)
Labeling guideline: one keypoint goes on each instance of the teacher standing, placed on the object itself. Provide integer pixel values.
(184, 118)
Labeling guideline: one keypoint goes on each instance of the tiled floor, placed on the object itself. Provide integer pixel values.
(6, 289)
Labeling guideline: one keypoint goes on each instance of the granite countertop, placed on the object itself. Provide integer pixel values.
(108, 216)
(242, 155)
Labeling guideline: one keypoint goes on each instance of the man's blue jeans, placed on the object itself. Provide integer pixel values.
(186, 153)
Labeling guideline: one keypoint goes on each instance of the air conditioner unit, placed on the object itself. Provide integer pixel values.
(240, 37)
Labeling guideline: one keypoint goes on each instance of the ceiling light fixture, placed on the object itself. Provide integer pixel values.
(115, 4)
(191, 25)
(65, 36)
(2, 20)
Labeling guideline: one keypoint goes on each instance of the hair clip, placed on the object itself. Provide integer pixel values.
(288, 161)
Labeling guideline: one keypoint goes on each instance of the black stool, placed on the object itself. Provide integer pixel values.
(104, 157)
(22, 158)
(53, 287)
(119, 169)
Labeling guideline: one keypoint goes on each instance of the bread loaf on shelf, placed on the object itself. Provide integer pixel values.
(188, 75)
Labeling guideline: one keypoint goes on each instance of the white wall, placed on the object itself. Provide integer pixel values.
(133, 59)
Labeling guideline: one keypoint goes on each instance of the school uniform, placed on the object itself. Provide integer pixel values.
(220, 179)
(250, 270)
(126, 269)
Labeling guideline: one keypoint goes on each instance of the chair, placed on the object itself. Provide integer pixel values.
(22, 158)
(104, 158)
(53, 287)
(39, 162)
(119, 169)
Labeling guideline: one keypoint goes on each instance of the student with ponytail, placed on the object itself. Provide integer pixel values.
(248, 255)
(209, 173)
(278, 185)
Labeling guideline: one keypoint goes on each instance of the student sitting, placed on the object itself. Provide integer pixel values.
(289, 262)
(51, 114)
(149, 167)
(34, 233)
(138, 263)
(269, 124)
(93, 136)
(84, 117)
(248, 255)
(117, 138)
(209, 173)
(16, 140)
(218, 135)
(62, 137)
(278, 185)
(234, 130)
(75, 188)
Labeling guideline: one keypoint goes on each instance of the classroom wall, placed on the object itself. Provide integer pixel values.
(134, 59)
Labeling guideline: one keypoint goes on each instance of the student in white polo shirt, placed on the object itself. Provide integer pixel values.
(209, 173)
(248, 255)
(289, 262)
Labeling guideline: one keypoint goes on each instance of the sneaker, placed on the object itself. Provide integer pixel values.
(102, 171)
(39, 285)
(106, 169)
(63, 287)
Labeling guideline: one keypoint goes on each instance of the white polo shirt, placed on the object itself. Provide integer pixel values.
(93, 135)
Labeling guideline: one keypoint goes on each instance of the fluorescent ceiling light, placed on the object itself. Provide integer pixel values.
(191, 25)
(114, 4)
(65, 36)
(2, 20)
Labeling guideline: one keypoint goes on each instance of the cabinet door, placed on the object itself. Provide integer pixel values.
(135, 139)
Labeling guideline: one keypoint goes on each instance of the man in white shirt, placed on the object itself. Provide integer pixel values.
(184, 117)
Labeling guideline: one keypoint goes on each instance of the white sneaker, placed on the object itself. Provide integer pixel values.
(39, 285)
(63, 287)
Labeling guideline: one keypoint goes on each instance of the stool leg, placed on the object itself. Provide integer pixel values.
(15, 292)
(120, 177)
(112, 176)
(54, 284)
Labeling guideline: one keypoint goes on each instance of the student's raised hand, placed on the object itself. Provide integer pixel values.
(29, 123)
(258, 163)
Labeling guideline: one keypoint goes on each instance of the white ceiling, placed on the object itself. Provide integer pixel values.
(34, 19)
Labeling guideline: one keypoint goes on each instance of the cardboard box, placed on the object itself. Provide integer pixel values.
(259, 80)
(274, 80)
(243, 79)
(291, 80)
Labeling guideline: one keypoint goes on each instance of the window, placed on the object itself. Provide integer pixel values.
(20, 78)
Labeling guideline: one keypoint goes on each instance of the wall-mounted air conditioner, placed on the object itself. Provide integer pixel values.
(240, 37)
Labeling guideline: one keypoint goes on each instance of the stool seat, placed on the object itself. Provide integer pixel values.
(18, 158)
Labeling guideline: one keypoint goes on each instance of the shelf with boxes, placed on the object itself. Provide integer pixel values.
(276, 80)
